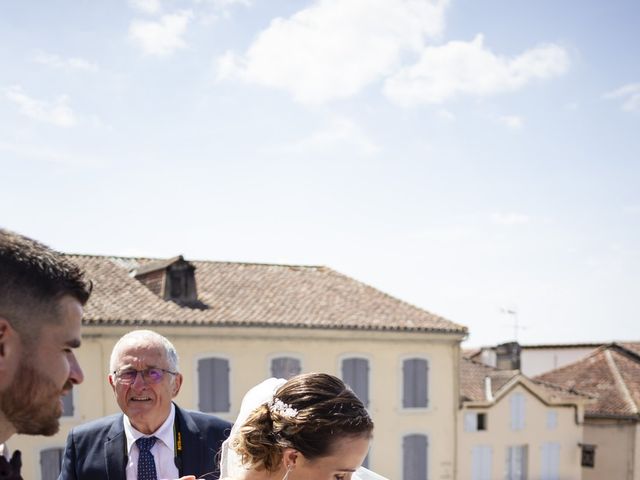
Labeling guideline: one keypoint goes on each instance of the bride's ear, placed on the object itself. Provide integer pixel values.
(289, 457)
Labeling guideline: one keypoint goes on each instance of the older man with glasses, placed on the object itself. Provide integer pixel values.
(154, 438)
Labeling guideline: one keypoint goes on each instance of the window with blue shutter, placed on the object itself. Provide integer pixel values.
(517, 411)
(414, 457)
(285, 367)
(415, 376)
(355, 373)
(67, 404)
(481, 462)
(517, 462)
(550, 461)
(51, 463)
(213, 385)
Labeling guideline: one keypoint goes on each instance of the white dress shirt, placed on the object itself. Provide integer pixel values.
(162, 450)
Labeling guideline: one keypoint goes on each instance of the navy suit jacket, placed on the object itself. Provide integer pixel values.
(97, 450)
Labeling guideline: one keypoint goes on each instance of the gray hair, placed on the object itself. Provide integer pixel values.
(145, 336)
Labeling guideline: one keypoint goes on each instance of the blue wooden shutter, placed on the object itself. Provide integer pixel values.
(67, 405)
(213, 385)
(285, 367)
(414, 457)
(517, 411)
(51, 463)
(355, 373)
(415, 373)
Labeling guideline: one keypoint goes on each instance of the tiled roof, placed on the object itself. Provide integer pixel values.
(611, 374)
(252, 295)
(472, 378)
(472, 382)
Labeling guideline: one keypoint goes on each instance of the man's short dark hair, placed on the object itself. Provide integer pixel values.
(33, 277)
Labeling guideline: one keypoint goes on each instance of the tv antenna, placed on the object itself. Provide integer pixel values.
(513, 312)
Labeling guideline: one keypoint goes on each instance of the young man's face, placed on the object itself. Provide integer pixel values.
(47, 371)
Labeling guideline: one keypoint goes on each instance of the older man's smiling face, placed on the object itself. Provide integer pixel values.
(147, 405)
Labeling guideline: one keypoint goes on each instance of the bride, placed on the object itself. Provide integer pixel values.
(311, 427)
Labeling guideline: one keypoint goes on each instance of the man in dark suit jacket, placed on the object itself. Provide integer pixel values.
(145, 378)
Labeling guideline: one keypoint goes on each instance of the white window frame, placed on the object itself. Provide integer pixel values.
(471, 421)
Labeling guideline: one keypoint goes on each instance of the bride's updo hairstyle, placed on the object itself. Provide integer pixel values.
(309, 413)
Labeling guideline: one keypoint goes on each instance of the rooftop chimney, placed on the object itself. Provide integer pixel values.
(173, 279)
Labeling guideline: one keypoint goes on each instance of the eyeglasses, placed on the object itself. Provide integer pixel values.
(149, 375)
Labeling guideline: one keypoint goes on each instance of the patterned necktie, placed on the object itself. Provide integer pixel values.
(146, 465)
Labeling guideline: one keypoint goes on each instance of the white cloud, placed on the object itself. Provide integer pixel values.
(501, 218)
(468, 68)
(339, 133)
(446, 115)
(162, 37)
(146, 6)
(45, 154)
(73, 63)
(334, 48)
(630, 94)
(514, 122)
(56, 113)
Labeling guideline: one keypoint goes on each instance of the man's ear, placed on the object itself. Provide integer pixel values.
(177, 383)
(111, 381)
(9, 350)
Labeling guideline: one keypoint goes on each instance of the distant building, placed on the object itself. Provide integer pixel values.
(531, 360)
(514, 428)
(235, 324)
(610, 374)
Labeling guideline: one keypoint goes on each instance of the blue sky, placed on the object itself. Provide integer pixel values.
(468, 157)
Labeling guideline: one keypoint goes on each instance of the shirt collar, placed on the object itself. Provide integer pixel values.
(164, 433)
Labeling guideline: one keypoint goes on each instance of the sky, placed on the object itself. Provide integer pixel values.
(478, 159)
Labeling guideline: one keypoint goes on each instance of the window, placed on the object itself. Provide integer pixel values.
(285, 367)
(481, 462)
(213, 385)
(415, 373)
(414, 457)
(475, 422)
(355, 373)
(67, 404)
(550, 461)
(517, 411)
(588, 455)
(51, 463)
(517, 462)
(552, 420)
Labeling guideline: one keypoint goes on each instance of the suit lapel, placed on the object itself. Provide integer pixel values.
(192, 444)
(115, 451)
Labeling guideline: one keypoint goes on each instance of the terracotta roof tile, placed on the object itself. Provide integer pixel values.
(252, 295)
(472, 382)
(611, 374)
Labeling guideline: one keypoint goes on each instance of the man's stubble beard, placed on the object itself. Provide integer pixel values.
(32, 401)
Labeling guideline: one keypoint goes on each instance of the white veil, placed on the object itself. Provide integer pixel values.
(231, 463)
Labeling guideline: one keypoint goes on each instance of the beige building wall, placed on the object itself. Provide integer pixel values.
(249, 351)
(499, 436)
(616, 449)
(536, 361)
